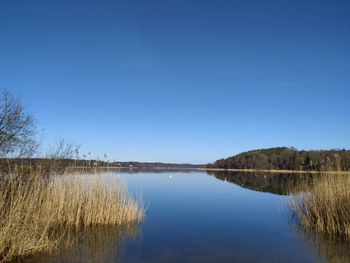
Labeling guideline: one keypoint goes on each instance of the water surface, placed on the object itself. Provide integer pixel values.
(200, 217)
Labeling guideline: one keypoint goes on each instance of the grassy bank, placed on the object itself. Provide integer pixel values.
(325, 207)
(37, 210)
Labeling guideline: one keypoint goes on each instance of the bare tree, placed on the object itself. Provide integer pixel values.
(17, 128)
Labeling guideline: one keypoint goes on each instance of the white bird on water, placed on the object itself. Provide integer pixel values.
(170, 176)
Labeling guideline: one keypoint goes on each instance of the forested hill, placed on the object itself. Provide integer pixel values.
(284, 158)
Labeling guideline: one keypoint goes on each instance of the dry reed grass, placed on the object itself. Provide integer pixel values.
(325, 206)
(37, 211)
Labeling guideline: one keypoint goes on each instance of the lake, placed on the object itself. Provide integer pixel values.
(194, 216)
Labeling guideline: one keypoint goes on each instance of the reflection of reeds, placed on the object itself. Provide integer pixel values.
(328, 248)
(93, 244)
(36, 212)
(325, 207)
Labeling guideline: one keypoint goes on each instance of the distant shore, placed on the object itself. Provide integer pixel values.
(217, 169)
(222, 169)
(272, 171)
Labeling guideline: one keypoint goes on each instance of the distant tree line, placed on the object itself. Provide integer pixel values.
(61, 164)
(19, 146)
(284, 158)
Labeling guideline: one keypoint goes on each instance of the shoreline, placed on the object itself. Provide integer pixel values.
(197, 169)
(273, 171)
(227, 170)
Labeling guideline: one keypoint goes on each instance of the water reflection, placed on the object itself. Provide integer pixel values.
(91, 245)
(193, 217)
(329, 249)
(275, 183)
(324, 203)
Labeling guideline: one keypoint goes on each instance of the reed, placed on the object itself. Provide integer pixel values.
(325, 206)
(36, 211)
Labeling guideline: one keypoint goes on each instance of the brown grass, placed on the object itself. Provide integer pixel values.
(36, 212)
(325, 207)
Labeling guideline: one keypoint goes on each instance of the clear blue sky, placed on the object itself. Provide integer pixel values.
(181, 81)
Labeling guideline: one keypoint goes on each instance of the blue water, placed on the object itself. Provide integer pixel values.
(196, 217)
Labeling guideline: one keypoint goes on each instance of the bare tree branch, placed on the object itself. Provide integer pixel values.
(17, 128)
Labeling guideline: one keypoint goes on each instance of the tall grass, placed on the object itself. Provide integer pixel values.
(325, 207)
(36, 211)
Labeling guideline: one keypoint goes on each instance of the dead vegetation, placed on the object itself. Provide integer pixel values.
(37, 210)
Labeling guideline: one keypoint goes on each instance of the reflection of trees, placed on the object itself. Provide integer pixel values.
(276, 183)
(327, 248)
(94, 244)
